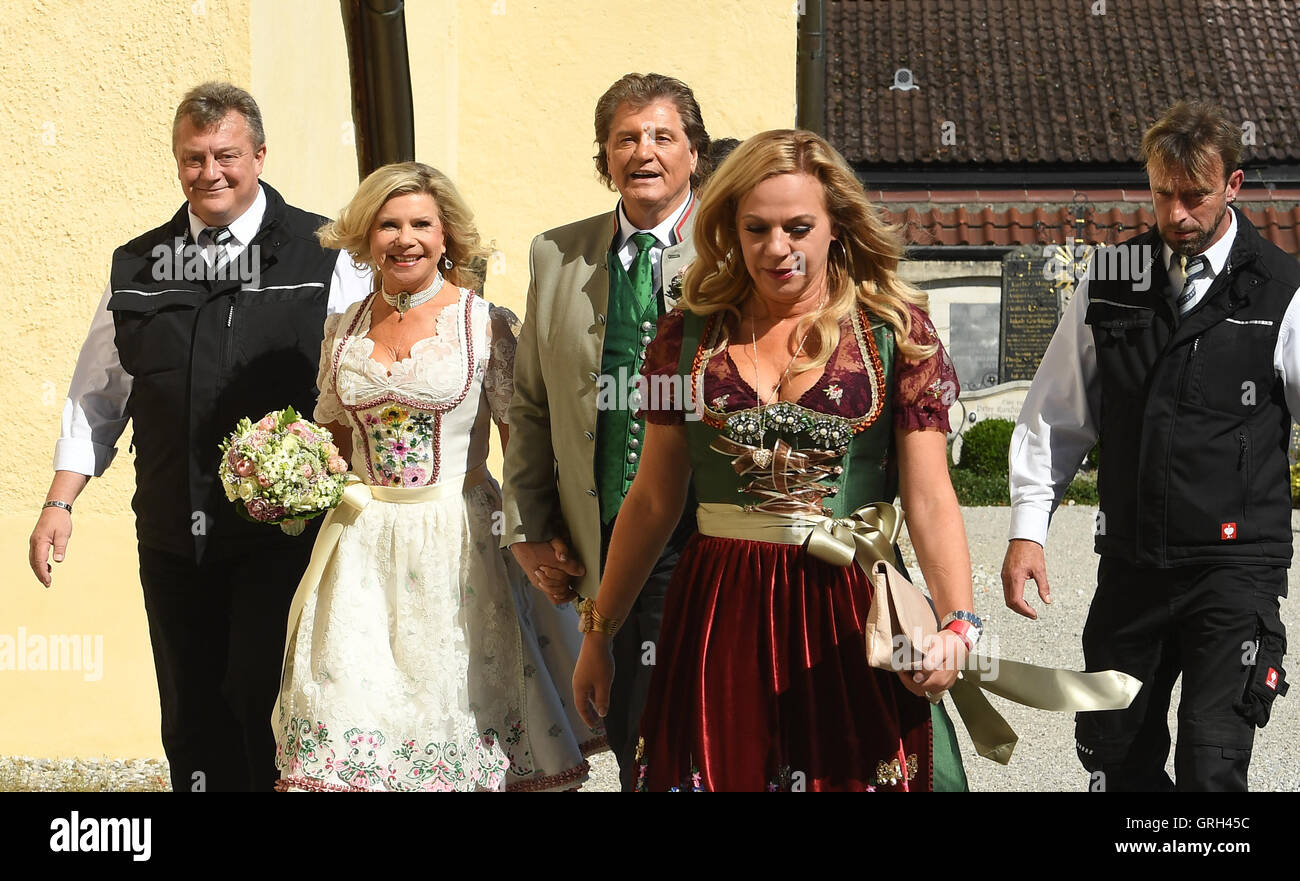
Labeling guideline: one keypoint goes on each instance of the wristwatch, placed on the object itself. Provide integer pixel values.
(965, 624)
(589, 619)
(55, 503)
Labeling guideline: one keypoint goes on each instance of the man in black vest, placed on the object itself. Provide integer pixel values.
(214, 315)
(1179, 354)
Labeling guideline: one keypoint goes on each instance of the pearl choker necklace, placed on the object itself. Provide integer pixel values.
(405, 300)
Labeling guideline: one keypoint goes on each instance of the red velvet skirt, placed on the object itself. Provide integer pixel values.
(761, 681)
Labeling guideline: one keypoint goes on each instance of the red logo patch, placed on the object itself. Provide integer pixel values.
(1271, 679)
(1227, 531)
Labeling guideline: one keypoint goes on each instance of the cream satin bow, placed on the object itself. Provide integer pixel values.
(868, 535)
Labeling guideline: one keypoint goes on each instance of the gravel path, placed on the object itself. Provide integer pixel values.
(1044, 759)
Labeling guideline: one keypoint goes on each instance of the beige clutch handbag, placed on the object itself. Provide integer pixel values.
(900, 621)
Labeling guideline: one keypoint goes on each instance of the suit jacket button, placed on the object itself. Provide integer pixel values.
(645, 340)
(635, 428)
(633, 444)
(631, 457)
(588, 435)
(600, 319)
(592, 493)
(645, 325)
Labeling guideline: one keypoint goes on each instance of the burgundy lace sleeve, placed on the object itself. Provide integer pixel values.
(662, 391)
(924, 390)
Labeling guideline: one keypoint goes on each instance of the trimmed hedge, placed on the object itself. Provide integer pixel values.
(985, 447)
(980, 478)
(979, 489)
(984, 490)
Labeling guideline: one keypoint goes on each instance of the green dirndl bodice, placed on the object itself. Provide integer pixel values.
(850, 461)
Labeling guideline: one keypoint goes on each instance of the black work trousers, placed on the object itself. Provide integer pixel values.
(634, 648)
(218, 631)
(1218, 626)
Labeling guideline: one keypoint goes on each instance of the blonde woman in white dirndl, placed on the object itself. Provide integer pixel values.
(416, 658)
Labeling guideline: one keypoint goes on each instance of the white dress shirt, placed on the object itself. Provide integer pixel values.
(94, 413)
(1058, 422)
(665, 237)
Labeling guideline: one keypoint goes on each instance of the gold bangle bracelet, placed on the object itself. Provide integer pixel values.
(589, 619)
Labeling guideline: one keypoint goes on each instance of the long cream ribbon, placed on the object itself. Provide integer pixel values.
(868, 535)
(356, 495)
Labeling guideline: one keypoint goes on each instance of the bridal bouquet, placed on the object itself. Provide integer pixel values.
(282, 469)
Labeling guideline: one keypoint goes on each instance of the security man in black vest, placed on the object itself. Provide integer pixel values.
(1179, 354)
(215, 315)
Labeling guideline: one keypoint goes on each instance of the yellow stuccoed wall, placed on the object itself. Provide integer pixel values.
(504, 93)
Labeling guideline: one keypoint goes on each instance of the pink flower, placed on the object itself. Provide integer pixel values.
(263, 480)
(399, 448)
(243, 467)
(266, 423)
(303, 432)
(258, 509)
(307, 471)
(331, 451)
(412, 476)
(337, 465)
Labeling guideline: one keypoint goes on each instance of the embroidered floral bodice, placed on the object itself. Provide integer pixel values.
(426, 418)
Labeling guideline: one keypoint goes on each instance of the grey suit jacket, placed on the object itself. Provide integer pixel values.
(549, 476)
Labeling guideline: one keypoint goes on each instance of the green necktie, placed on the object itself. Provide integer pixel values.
(642, 275)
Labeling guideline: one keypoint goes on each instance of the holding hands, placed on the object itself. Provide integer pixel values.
(550, 567)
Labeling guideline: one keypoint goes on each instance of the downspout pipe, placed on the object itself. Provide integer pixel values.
(810, 67)
(382, 109)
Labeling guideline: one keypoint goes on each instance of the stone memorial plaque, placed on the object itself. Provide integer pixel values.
(1029, 314)
(973, 333)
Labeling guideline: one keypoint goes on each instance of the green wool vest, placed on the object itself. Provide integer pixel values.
(630, 327)
(870, 473)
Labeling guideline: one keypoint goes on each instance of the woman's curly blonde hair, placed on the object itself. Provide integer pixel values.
(863, 272)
